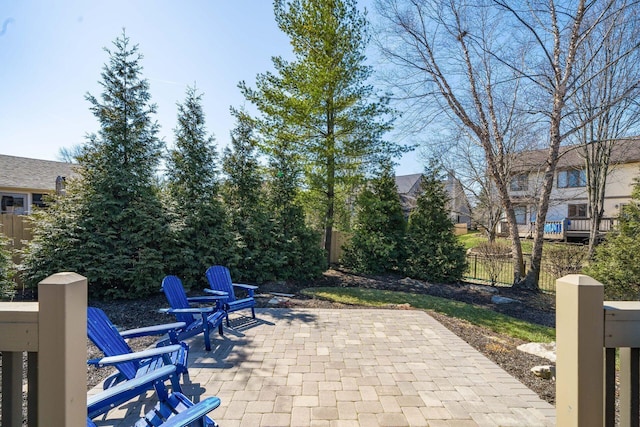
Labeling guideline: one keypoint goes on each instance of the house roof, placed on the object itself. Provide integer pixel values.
(33, 174)
(624, 151)
(407, 182)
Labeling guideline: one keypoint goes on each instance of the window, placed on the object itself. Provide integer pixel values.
(37, 199)
(572, 178)
(519, 182)
(578, 211)
(521, 214)
(13, 203)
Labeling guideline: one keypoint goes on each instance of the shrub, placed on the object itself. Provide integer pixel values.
(7, 270)
(378, 234)
(617, 260)
(493, 256)
(561, 259)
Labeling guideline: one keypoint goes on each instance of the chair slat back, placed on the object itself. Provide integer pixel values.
(106, 337)
(177, 298)
(219, 279)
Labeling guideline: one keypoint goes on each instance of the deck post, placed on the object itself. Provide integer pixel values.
(12, 388)
(62, 373)
(580, 342)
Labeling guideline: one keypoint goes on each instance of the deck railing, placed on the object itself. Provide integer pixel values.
(52, 333)
(588, 332)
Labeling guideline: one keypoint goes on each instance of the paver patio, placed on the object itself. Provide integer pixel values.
(322, 367)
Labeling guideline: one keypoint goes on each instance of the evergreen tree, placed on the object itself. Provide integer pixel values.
(202, 233)
(55, 242)
(377, 244)
(114, 229)
(617, 259)
(322, 101)
(244, 196)
(433, 252)
(7, 270)
(298, 246)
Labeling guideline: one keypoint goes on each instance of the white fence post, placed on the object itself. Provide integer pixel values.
(62, 358)
(580, 342)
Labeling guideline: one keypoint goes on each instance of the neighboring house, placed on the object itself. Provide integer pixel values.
(24, 182)
(568, 214)
(409, 188)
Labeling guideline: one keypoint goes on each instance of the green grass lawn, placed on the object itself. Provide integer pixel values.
(471, 240)
(496, 322)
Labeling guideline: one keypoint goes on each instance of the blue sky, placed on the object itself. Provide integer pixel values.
(51, 55)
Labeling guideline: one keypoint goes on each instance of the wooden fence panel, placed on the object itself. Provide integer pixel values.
(16, 228)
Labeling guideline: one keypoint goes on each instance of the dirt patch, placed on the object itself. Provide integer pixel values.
(533, 307)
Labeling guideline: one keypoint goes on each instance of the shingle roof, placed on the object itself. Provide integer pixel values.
(406, 182)
(624, 151)
(33, 174)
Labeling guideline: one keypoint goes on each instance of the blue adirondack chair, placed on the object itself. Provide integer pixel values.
(134, 364)
(172, 409)
(220, 282)
(196, 319)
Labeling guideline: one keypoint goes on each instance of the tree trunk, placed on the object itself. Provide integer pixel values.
(331, 186)
(533, 275)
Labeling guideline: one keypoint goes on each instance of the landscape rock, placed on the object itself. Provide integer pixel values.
(546, 372)
(483, 288)
(544, 350)
(278, 301)
(497, 299)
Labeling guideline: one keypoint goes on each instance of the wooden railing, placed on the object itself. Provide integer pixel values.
(52, 333)
(588, 332)
(606, 224)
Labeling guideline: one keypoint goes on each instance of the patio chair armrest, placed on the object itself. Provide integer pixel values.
(130, 357)
(194, 413)
(152, 330)
(245, 286)
(207, 298)
(215, 293)
(104, 401)
(248, 288)
(188, 310)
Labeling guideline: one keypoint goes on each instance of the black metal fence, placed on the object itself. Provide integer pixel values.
(484, 269)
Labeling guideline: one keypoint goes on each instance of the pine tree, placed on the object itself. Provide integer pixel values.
(321, 100)
(377, 244)
(433, 252)
(202, 233)
(617, 259)
(111, 227)
(244, 196)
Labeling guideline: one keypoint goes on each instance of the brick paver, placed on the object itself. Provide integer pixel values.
(315, 367)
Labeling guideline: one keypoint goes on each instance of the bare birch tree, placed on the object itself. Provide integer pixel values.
(559, 32)
(463, 52)
(445, 62)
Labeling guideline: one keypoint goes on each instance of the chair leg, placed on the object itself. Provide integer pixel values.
(227, 316)
(206, 331)
(175, 382)
(253, 312)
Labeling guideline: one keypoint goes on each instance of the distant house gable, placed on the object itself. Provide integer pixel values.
(22, 173)
(410, 187)
(23, 181)
(409, 184)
